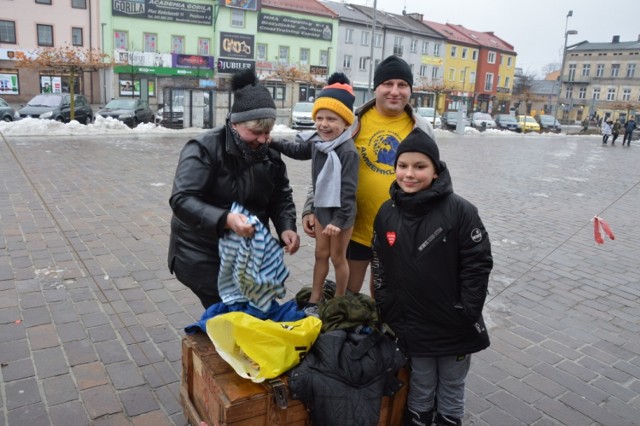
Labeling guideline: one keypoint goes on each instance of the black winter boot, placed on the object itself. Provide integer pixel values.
(411, 418)
(442, 420)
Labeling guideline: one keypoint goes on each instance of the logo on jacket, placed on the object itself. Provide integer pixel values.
(476, 235)
(391, 238)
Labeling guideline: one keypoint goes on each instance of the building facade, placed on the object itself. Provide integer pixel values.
(600, 79)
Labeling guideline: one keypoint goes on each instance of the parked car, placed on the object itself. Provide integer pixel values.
(482, 120)
(130, 111)
(450, 120)
(301, 116)
(7, 113)
(528, 123)
(431, 115)
(57, 106)
(548, 123)
(507, 122)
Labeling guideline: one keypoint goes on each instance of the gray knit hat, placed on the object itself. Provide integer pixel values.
(251, 100)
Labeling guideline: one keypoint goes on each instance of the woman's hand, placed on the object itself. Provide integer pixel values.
(238, 223)
(291, 241)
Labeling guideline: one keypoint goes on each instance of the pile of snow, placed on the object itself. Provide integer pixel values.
(38, 127)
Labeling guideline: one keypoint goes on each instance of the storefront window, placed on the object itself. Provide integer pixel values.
(9, 84)
(130, 88)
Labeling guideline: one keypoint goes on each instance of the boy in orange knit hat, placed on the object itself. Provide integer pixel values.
(334, 173)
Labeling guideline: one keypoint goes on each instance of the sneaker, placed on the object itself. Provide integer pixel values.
(311, 310)
(442, 420)
(412, 418)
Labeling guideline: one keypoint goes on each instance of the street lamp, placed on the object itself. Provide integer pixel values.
(567, 33)
(371, 61)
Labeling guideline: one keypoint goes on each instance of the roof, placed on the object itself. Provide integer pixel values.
(485, 39)
(545, 87)
(451, 34)
(621, 45)
(346, 12)
(312, 7)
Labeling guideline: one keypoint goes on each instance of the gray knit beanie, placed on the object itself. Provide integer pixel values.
(251, 100)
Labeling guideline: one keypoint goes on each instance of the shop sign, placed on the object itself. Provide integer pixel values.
(241, 4)
(143, 59)
(192, 61)
(431, 60)
(291, 26)
(228, 66)
(160, 71)
(164, 10)
(233, 45)
(318, 69)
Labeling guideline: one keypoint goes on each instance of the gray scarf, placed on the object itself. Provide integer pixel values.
(328, 183)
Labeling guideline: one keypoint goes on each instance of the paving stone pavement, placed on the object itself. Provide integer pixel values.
(91, 319)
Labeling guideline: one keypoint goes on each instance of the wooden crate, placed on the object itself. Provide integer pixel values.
(212, 392)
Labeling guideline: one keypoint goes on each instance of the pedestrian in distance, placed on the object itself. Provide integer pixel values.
(380, 124)
(585, 125)
(334, 170)
(431, 265)
(231, 163)
(606, 131)
(629, 127)
(615, 131)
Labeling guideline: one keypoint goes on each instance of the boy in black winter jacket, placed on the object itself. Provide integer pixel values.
(431, 266)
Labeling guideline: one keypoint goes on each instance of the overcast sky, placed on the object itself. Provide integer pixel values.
(534, 28)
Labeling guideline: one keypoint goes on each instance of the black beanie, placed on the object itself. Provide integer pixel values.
(391, 68)
(419, 141)
(251, 100)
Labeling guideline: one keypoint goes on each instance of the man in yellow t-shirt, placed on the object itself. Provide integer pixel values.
(381, 124)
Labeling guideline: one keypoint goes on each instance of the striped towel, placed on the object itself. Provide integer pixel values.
(251, 269)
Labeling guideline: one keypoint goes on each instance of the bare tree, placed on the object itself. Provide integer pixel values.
(523, 92)
(626, 106)
(69, 60)
(551, 67)
(291, 75)
(437, 87)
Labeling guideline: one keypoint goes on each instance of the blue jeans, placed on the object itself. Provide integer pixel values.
(441, 380)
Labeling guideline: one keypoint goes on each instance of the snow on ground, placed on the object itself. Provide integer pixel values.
(38, 127)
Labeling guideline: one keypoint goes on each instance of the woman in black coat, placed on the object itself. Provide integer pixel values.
(231, 163)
